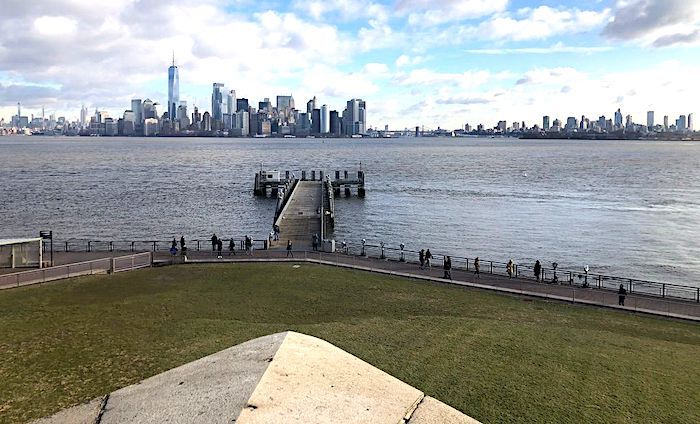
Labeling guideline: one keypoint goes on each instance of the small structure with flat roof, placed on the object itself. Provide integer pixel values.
(21, 253)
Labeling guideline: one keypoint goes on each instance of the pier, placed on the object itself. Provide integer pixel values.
(306, 206)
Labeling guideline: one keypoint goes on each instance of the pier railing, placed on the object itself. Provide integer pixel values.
(548, 275)
(97, 266)
(566, 277)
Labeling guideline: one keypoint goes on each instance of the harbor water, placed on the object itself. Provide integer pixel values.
(628, 208)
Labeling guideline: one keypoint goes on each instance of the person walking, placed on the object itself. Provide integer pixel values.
(249, 245)
(538, 270)
(173, 247)
(315, 242)
(477, 267)
(509, 268)
(428, 257)
(231, 247)
(214, 242)
(219, 247)
(447, 265)
(421, 258)
(276, 229)
(621, 295)
(289, 249)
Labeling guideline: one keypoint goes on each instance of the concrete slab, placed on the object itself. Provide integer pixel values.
(432, 411)
(85, 413)
(312, 381)
(213, 389)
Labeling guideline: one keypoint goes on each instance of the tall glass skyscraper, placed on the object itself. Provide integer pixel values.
(173, 90)
(217, 102)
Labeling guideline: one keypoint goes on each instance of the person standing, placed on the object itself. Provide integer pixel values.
(538, 270)
(428, 257)
(421, 258)
(231, 247)
(477, 267)
(509, 268)
(621, 295)
(219, 247)
(289, 249)
(214, 242)
(183, 248)
(315, 242)
(173, 247)
(447, 265)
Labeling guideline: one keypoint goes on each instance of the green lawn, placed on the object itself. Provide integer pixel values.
(494, 357)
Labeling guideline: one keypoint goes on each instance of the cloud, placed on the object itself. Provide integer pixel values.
(434, 12)
(554, 49)
(636, 18)
(406, 60)
(52, 26)
(539, 23)
(463, 101)
(673, 39)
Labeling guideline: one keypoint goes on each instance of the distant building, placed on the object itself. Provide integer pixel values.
(665, 122)
(335, 123)
(173, 90)
(206, 122)
(571, 123)
(681, 123)
(325, 120)
(217, 102)
(545, 123)
(691, 123)
(316, 121)
(310, 105)
(150, 127)
(650, 120)
(618, 119)
(242, 104)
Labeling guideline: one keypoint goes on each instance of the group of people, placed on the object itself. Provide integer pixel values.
(183, 248)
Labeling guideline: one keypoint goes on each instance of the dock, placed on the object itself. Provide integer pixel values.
(306, 206)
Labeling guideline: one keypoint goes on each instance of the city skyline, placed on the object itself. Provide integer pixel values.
(441, 63)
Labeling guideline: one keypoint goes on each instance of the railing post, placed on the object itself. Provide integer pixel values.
(663, 290)
(66, 249)
(630, 286)
(132, 246)
(197, 245)
(698, 300)
(111, 246)
(154, 246)
(491, 262)
(600, 281)
(89, 247)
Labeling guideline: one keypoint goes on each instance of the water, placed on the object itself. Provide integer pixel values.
(626, 208)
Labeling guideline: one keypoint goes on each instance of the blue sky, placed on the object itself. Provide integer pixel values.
(416, 62)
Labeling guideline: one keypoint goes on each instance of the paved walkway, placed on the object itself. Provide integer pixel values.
(301, 219)
(501, 283)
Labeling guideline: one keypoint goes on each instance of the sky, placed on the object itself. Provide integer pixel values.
(415, 62)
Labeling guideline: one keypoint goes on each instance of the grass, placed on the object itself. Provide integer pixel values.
(494, 357)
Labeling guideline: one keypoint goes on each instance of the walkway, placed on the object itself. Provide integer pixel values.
(301, 219)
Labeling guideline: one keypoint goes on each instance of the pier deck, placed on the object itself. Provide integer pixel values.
(301, 217)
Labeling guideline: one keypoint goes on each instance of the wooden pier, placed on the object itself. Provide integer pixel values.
(306, 206)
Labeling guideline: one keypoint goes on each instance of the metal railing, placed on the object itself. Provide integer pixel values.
(97, 266)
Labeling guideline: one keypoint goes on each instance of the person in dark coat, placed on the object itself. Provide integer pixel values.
(428, 257)
(621, 295)
(214, 242)
(231, 247)
(219, 246)
(447, 266)
(183, 248)
(315, 242)
(538, 270)
(421, 258)
(477, 267)
(289, 249)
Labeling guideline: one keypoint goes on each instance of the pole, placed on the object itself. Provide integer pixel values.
(51, 237)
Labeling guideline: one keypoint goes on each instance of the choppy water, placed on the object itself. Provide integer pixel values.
(624, 207)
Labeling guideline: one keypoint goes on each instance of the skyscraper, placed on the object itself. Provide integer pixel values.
(545, 122)
(285, 103)
(325, 120)
(137, 108)
(311, 105)
(691, 123)
(217, 102)
(618, 119)
(650, 119)
(173, 90)
(665, 122)
(231, 102)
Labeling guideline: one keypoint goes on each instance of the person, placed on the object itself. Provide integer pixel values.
(477, 266)
(276, 229)
(509, 268)
(622, 293)
(214, 242)
(538, 270)
(183, 248)
(447, 265)
(173, 247)
(421, 258)
(428, 257)
(219, 247)
(231, 247)
(249, 245)
(289, 249)
(269, 238)
(315, 242)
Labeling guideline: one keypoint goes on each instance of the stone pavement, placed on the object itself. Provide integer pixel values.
(281, 378)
